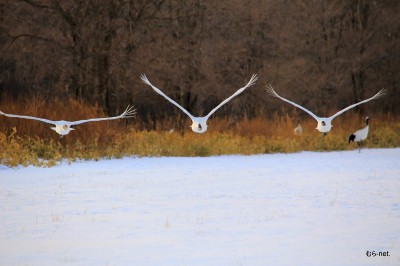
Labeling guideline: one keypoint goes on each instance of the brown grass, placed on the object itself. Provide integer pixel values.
(25, 142)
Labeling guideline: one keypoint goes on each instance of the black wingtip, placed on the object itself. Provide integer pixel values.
(352, 138)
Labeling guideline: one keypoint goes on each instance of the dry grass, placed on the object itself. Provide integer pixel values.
(25, 142)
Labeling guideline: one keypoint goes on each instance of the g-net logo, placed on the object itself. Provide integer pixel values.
(379, 254)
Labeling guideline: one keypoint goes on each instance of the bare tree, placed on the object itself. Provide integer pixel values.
(324, 54)
(327, 50)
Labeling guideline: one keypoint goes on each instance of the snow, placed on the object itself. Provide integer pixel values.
(307, 208)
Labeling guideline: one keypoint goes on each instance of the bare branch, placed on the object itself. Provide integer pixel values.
(31, 36)
(32, 3)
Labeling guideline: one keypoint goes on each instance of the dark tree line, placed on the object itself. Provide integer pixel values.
(323, 54)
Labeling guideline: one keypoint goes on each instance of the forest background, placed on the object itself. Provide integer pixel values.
(72, 59)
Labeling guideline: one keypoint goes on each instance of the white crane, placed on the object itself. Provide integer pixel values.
(324, 123)
(299, 129)
(64, 127)
(360, 135)
(199, 124)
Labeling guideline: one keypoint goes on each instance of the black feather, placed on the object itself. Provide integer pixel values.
(352, 137)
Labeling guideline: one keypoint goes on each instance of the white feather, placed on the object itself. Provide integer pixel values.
(361, 134)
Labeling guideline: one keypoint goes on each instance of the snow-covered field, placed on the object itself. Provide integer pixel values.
(306, 208)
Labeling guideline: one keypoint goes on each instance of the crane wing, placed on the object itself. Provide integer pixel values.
(273, 93)
(129, 112)
(376, 96)
(251, 82)
(29, 117)
(145, 80)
